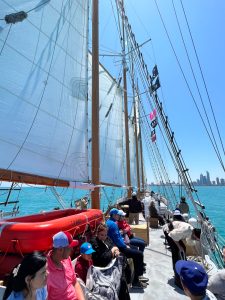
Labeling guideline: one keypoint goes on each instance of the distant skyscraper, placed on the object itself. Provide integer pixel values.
(204, 180)
(201, 179)
(217, 181)
(208, 182)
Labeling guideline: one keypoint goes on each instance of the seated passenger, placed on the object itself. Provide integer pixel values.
(127, 234)
(153, 212)
(128, 251)
(62, 283)
(84, 261)
(104, 248)
(177, 215)
(28, 280)
(194, 280)
(105, 252)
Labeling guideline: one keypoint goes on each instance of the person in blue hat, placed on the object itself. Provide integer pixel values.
(62, 281)
(139, 281)
(194, 280)
(84, 261)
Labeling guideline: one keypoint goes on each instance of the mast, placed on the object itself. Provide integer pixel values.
(95, 105)
(125, 105)
(141, 149)
(142, 164)
(135, 130)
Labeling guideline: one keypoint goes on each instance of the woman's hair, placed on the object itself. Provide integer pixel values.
(197, 232)
(170, 226)
(29, 266)
(101, 227)
(178, 218)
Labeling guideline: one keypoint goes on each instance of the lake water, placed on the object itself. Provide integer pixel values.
(36, 199)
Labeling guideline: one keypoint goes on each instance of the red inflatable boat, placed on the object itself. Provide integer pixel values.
(34, 232)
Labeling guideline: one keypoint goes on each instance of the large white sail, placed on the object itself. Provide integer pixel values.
(43, 89)
(111, 123)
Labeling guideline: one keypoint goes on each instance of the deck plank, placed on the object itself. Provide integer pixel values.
(159, 271)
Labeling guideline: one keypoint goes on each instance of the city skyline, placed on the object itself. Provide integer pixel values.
(204, 180)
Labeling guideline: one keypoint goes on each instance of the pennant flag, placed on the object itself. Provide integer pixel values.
(156, 85)
(155, 72)
(154, 123)
(154, 138)
(153, 135)
(153, 114)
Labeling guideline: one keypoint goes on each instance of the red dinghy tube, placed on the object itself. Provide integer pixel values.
(26, 234)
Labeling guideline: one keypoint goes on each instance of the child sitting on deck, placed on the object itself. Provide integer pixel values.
(127, 234)
(84, 261)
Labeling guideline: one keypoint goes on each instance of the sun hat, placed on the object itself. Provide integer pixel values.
(86, 248)
(121, 213)
(134, 194)
(113, 211)
(193, 275)
(64, 239)
(177, 212)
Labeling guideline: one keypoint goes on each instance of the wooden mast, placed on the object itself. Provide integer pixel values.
(95, 106)
(125, 105)
(141, 149)
(142, 164)
(136, 134)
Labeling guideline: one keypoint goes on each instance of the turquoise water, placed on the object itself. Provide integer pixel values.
(36, 199)
(213, 198)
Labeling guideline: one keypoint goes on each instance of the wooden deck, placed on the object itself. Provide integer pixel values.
(159, 271)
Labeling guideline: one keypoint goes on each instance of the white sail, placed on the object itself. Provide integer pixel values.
(43, 89)
(111, 123)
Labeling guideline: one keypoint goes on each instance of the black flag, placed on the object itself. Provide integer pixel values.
(156, 85)
(155, 72)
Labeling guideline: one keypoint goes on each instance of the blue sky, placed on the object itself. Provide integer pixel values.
(207, 22)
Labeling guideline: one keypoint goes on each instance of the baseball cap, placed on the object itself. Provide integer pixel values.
(177, 212)
(64, 239)
(193, 275)
(113, 211)
(121, 213)
(86, 248)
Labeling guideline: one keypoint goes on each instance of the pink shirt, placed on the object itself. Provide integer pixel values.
(60, 282)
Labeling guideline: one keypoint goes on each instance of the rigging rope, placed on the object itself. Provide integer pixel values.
(183, 171)
(203, 78)
(190, 91)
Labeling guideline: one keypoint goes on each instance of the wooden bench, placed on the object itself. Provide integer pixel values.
(154, 222)
(141, 231)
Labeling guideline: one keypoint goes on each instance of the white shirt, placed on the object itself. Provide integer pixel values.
(146, 201)
(216, 284)
(209, 296)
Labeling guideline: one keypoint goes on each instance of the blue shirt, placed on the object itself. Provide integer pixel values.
(41, 294)
(114, 233)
